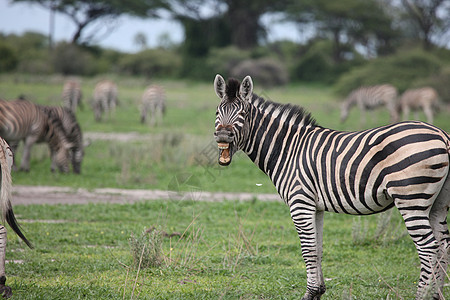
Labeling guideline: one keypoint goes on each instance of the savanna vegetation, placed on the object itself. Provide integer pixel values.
(227, 250)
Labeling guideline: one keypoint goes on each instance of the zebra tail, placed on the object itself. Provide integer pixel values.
(5, 195)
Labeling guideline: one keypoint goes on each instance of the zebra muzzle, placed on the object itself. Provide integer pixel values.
(224, 153)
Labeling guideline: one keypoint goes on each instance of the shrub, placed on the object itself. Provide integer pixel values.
(266, 71)
(69, 59)
(223, 60)
(399, 70)
(439, 81)
(8, 60)
(151, 63)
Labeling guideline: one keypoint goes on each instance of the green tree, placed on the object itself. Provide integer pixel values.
(429, 18)
(355, 22)
(87, 13)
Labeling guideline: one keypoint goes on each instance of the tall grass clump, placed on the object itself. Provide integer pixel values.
(146, 248)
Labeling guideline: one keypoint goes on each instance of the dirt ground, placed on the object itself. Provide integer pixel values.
(26, 195)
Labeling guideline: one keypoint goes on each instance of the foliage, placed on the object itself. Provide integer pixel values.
(266, 71)
(8, 59)
(150, 63)
(85, 13)
(400, 70)
(223, 60)
(72, 59)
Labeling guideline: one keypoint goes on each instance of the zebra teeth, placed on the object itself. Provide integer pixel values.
(223, 146)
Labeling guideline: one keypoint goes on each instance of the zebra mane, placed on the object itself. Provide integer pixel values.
(299, 114)
(232, 88)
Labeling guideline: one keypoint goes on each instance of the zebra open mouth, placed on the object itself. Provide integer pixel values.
(224, 154)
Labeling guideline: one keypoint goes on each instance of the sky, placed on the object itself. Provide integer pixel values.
(21, 17)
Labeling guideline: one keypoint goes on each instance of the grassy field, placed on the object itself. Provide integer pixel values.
(229, 250)
(183, 146)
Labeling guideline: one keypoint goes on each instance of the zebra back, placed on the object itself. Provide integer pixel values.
(72, 94)
(419, 98)
(72, 132)
(153, 101)
(23, 120)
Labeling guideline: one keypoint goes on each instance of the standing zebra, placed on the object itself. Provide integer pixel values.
(23, 120)
(105, 98)
(71, 94)
(7, 214)
(369, 98)
(154, 101)
(316, 169)
(425, 98)
(72, 131)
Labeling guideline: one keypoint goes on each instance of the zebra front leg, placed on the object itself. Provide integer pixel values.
(309, 225)
(4, 289)
(28, 143)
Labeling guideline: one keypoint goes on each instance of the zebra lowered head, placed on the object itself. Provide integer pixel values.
(231, 125)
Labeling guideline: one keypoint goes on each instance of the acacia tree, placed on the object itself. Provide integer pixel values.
(103, 13)
(429, 17)
(362, 22)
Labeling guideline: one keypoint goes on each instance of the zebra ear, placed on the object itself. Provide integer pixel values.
(246, 89)
(219, 86)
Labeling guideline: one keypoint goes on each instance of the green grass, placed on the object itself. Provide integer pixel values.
(229, 250)
(183, 145)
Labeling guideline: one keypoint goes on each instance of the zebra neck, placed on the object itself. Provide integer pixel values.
(272, 133)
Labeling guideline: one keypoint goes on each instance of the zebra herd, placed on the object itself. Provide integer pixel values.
(371, 97)
(316, 169)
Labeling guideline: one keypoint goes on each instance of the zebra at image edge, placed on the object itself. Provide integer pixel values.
(316, 169)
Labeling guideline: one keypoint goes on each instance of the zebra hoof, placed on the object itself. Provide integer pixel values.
(5, 291)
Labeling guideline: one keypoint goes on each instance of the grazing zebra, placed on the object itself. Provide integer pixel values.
(316, 169)
(72, 95)
(153, 101)
(425, 98)
(23, 120)
(105, 98)
(72, 131)
(369, 98)
(6, 160)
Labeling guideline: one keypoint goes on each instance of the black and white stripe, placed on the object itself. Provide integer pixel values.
(71, 94)
(153, 103)
(316, 169)
(73, 134)
(105, 99)
(426, 99)
(7, 214)
(21, 120)
(369, 98)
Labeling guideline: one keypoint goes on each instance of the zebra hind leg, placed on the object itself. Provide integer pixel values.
(4, 289)
(438, 220)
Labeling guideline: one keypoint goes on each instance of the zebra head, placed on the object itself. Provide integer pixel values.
(231, 124)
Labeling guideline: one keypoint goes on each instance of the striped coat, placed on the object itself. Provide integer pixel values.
(369, 98)
(426, 99)
(316, 169)
(73, 134)
(153, 102)
(7, 214)
(21, 120)
(105, 99)
(72, 95)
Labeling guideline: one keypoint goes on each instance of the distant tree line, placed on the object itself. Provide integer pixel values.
(346, 37)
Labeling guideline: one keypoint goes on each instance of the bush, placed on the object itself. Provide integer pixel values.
(146, 249)
(69, 59)
(399, 70)
(266, 71)
(223, 60)
(439, 81)
(8, 60)
(151, 63)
